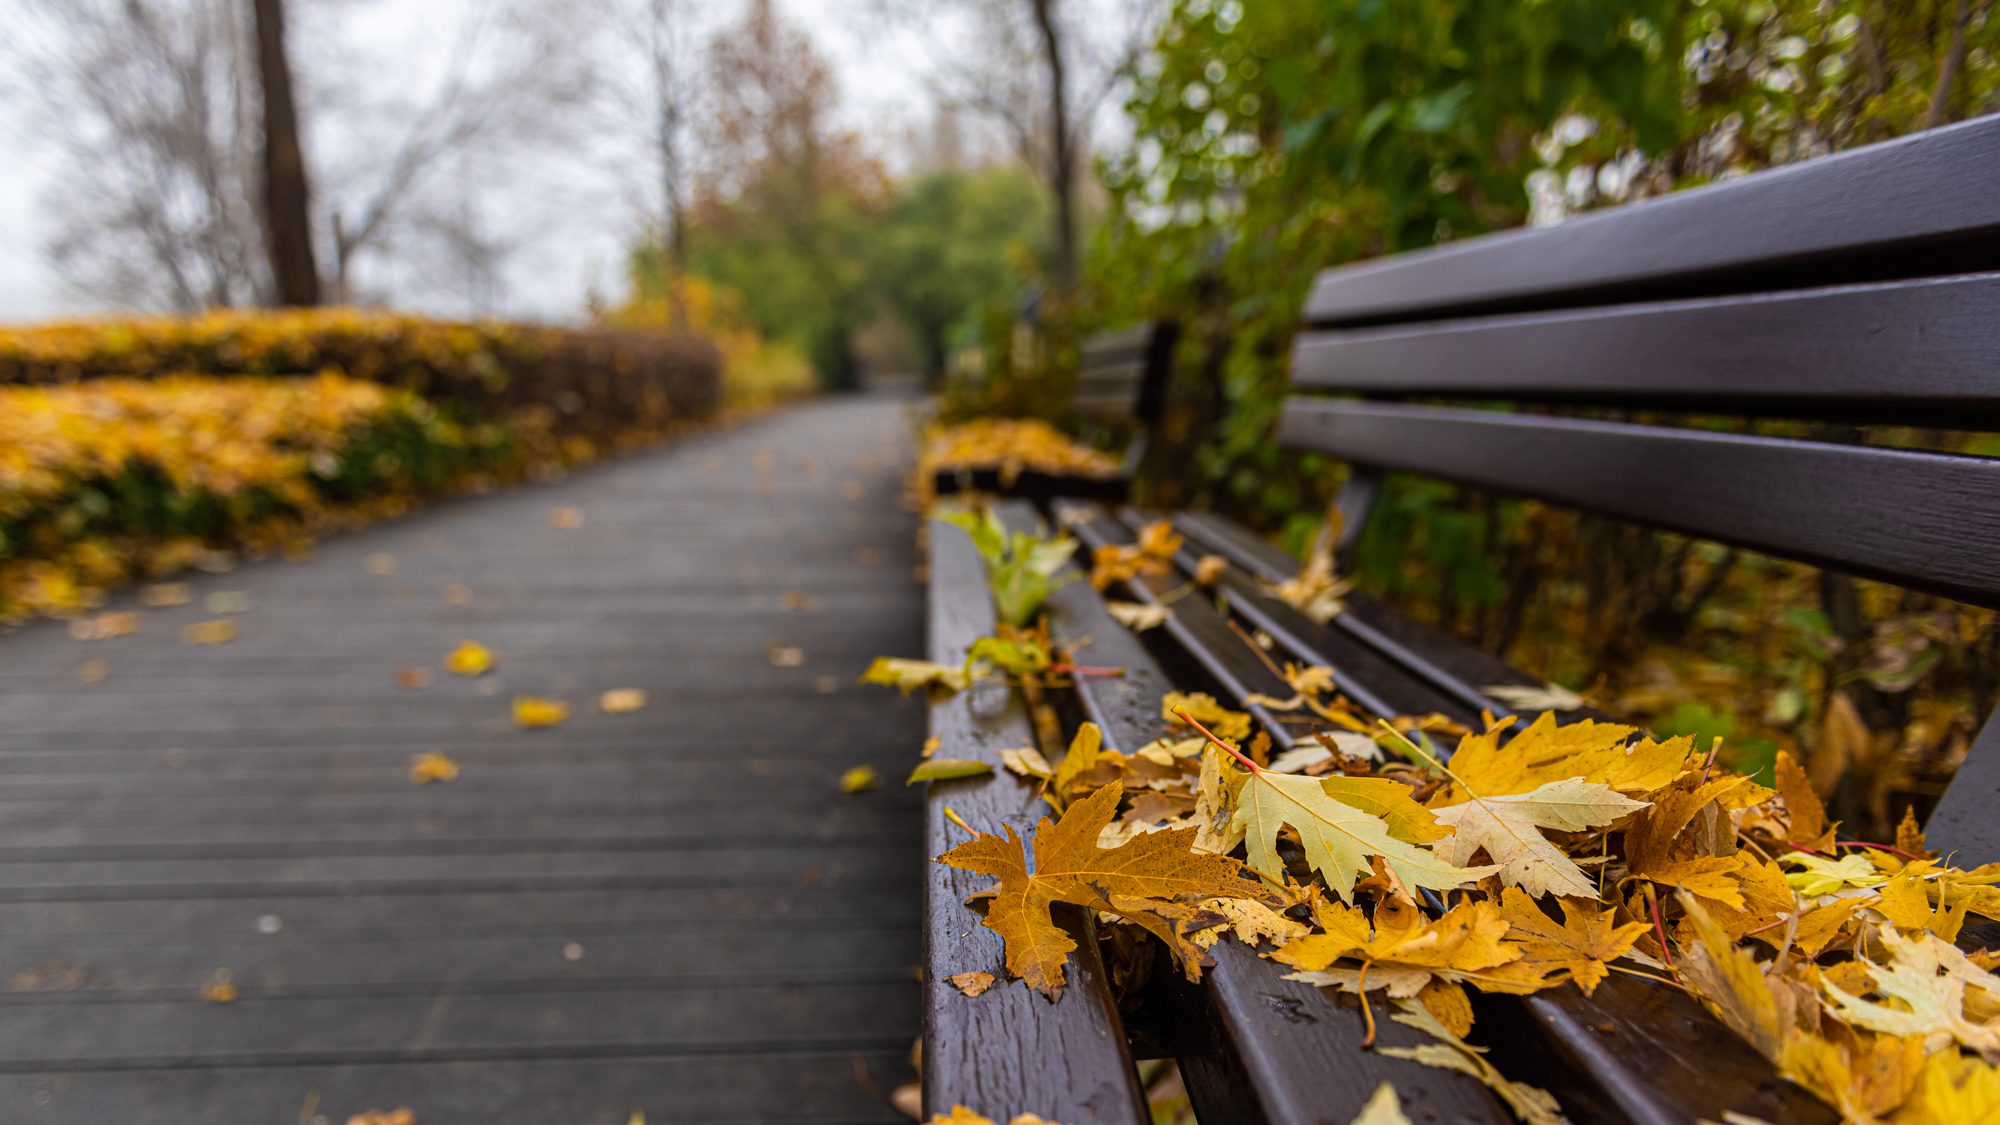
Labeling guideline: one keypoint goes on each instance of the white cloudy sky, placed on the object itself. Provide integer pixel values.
(580, 227)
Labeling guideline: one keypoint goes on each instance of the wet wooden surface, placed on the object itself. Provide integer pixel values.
(673, 911)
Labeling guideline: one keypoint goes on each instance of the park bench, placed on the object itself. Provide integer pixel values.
(1120, 385)
(1844, 289)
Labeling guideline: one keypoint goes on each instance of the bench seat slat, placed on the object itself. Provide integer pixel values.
(1923, 520)
(1913, 192)
(1900, 351)
(1658, 1063)
(1253, 1047)
(1008, 1051)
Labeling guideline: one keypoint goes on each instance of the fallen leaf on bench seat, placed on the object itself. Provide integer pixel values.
(1509, 829)
(1152, 554)
(1532, 1104)
(1586, 750)
(1339, 836)
(1204, 709)
(1154, 880)
(1138, 616)
(948, 769)
(909, 675)
(1583, 944)
(1535, 697)
(960, 1115)
(1383, 1108)
(972, 984)
(1026, 761)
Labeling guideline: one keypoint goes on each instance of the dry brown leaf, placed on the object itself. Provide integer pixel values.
(972, 984)
(621, 701)
(220, 631)
(1152, 880)
(565, 518)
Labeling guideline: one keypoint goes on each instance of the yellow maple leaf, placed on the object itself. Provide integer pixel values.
(1204, 709)
(1338, 837)
(1153, 880)
(1807, 825)
(470, 658)
(532, 711)
(1582, 945)
(1400, 950)
(1921, 991)
(428, 767)
(1509, 829)
(1953, 1090)
(1547, 751)
(1152, 554)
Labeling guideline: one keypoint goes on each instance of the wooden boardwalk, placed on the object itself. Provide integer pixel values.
(674, 911)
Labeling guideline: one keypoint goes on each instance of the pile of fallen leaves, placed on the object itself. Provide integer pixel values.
(1373, 861)
(1009, 445)
(115, 478)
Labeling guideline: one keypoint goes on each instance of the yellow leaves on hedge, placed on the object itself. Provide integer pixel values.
(1153, 880)
(431, 766)
(470, 658)
(1153, 553)
(531, 711)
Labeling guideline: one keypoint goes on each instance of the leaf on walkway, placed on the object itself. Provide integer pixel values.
(430, 766)
(217, 632)
(621, 701)
(948, 769)
(532, 711)
(105, 626)
(1338, 837)
(565, 518)
(381, 564)
(859, 779)
(162, 594)
(470, 658)
(413, 676)
(1151, 880)
(219, 988)
(1509, 829)
(784, 655)
(909, 675)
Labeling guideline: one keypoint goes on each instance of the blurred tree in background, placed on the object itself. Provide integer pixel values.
(1270, 140)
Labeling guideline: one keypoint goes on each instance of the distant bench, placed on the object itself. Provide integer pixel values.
(1121, 383)
(1840, 289)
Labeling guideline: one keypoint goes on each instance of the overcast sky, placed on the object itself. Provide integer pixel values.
(580, 229)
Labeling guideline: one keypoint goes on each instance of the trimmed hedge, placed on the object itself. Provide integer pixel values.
(606, 387)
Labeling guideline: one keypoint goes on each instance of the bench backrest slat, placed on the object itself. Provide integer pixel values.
(1923, 520)
(1122, 374)
(1907, 204)
(1917, 351)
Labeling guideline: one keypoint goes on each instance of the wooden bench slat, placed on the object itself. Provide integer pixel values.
(1658, 1063)
(1911, 193)
(1252, 1046)
(1078, 1068)
(1928, 521)
(1901, 351)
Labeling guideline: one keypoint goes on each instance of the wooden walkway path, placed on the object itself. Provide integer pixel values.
(674, 911)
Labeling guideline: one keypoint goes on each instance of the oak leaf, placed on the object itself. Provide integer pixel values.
(1152, 880)
(1509, 828)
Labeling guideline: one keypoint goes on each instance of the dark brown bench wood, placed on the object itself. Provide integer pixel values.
(1120, 386)
(1860, 287)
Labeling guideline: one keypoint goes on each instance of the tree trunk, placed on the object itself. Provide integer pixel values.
(287, 231)
(1062, 157)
